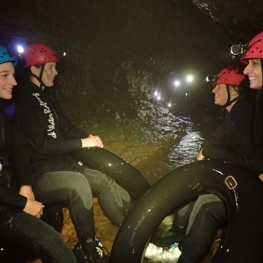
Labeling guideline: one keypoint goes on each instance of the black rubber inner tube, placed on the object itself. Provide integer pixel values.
(240, 190)
(112, 165)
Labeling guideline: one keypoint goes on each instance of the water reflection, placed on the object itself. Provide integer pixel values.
(183, 153)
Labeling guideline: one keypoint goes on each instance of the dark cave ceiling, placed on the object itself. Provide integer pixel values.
(240, 19)
(222, 22)
(120, 51)
(102, 35)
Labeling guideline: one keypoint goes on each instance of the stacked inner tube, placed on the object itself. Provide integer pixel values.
(240, 190)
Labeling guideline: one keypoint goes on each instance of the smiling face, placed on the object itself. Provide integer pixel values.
(254, 72)
(221, 95)
(48, 76)
(7, 80)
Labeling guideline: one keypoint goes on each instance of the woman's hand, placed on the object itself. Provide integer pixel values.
(261, 177)
(200, 156)
(34, 208)
(92, 141)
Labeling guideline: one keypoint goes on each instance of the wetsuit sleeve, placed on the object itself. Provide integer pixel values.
(68, 129)
(11, 198)
(242, 140)
(21, 156)
(237, 144)
(36, 131)
(217, 152)
(256, 162)
(218, 137)
(214, 146)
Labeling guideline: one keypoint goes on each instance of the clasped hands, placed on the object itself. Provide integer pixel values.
(32, 207)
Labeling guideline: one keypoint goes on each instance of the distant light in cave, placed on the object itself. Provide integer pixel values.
(169, 105)
(186, 94)
(64, 54)
(189, 78)
(157, 95)
(177, 83)
(20, 49)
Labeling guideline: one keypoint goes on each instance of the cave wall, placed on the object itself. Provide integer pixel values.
(117, 53)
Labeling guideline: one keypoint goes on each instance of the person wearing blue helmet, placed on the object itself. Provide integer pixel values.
(20, 213)
(7, 63)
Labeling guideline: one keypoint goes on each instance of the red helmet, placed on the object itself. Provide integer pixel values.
(37, 54)
(230, 75)
(254, 49)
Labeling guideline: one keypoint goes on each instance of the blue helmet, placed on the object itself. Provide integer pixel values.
(6, 57)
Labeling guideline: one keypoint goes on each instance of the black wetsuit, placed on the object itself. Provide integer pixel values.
(9, 198)
(53, 138)
(233, 139)
(19, 229)
(50, 133)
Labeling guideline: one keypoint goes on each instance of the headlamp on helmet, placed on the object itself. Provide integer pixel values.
(231, 76)
(238, 49)
(210, 78)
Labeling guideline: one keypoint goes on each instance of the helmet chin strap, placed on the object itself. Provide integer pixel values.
(39, 78)
(229, 102)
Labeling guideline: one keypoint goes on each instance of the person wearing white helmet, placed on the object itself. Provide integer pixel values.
(20, 213)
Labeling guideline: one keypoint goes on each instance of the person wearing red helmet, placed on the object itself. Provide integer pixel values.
(43, 60)
(232, 140)
(253, 58)
(20, 212)
(53, 138)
